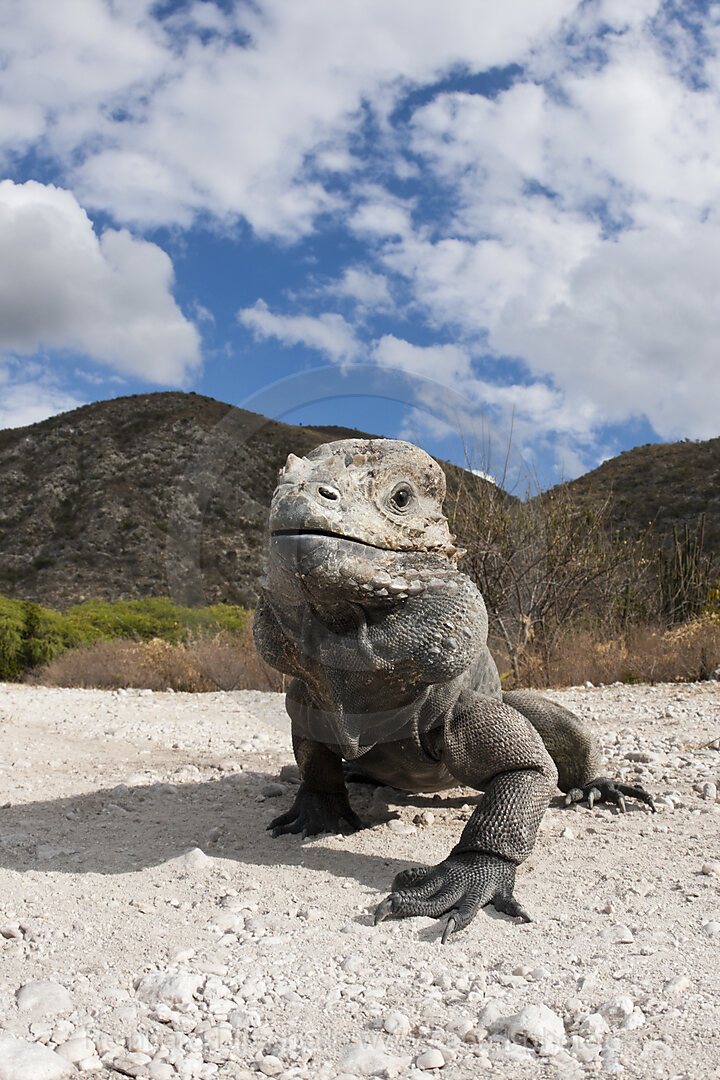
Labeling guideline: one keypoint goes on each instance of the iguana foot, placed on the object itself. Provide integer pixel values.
(316, 812)
(602, 789)
(457, 887)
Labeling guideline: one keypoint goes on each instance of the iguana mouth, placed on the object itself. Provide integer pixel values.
(326, 532)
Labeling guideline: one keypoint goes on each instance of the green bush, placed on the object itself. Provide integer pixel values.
(32, 635)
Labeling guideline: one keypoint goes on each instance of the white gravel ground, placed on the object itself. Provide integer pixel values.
(150, 926)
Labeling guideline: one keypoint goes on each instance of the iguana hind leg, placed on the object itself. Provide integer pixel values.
(575, 751)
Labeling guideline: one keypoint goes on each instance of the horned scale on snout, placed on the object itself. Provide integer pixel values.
(386, 640)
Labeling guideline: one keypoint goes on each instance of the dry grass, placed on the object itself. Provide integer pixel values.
(223, 662)
(642, 654)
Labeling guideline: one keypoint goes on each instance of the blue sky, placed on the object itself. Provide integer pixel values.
(420, 219)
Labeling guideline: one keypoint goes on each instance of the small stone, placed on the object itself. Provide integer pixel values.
(712, 928)
(194, 859)
(677, 986)
(617, 1010)
(712, 867)
(139, 1043)
(43, 998)
(397, 1023)
(21, 1060)
(430, 1059)
(169, 989)
(594, 1027)
(539, 973)
(618, 935)
(160, 1070)
(535, 1026)
(709, 791)
(270, 1065)
(424, 818)
(401, 828)
(290, 774)
(77, 1049)
(366, 1059)
(273, 790)
(10, 931)
(642, 756)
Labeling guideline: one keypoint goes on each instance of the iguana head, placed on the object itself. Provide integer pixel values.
(359, 517)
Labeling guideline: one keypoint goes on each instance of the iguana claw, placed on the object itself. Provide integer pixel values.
(457, 887)
(602, 789)
(316, 812)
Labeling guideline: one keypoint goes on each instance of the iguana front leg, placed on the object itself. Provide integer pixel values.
(487, 745)
(321, 804)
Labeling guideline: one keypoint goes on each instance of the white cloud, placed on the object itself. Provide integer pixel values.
(328, 333)
(221, 111)
(28, 400)
(446, 363)
(365, 288)
(109, 298)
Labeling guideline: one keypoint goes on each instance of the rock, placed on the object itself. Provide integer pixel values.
(366, 1059)
(76, 1049)
(424, 818)
(273, 790)
(44, 998)
(618, 935)
(169, 989)
(430, 1059)
(397, 1023)
(712, 928)
(617, 1010)
(194, 859)
(712, 867)
(270, 1065)
(677, 986)
(401, 828)
(709, 791)
(535, 1026)
(594, 1027)
(160, 1070)
(21, 1060)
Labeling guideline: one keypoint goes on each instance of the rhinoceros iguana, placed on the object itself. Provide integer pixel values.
(387, 642)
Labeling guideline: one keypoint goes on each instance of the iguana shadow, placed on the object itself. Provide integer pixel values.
(127, 829)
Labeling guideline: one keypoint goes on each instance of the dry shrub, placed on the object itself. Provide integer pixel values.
(224, 662)
(641, 654)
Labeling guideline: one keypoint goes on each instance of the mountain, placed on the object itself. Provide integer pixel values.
(153, 494)
(666, 484)
(167, 494)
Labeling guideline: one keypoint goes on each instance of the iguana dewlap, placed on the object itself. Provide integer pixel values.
(387, 642)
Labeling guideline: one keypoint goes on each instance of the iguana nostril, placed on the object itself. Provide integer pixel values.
(327, 493)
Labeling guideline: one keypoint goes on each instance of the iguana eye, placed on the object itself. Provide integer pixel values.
(402, 497)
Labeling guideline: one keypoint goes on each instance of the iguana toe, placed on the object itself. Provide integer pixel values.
(602, 789)
(457, 887)
(316, 812)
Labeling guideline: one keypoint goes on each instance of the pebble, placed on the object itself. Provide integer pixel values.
(44, 998)
(712, 867)
(273, 790)
(678, 985)
(397, 1023)
(430, 1059)
(618, 935)
(424, 818)
(21, 1060)
(535, 1026)
(76, 1049)
(400, 827)
(366, 1059)
(270, 1065)
(712, 928)
(194, 859)
(168, 989)
(617, 1010)
(709, 791)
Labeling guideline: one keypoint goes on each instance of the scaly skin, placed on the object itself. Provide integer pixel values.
(387, 642)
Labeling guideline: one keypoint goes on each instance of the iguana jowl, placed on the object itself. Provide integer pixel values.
(387, 642)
